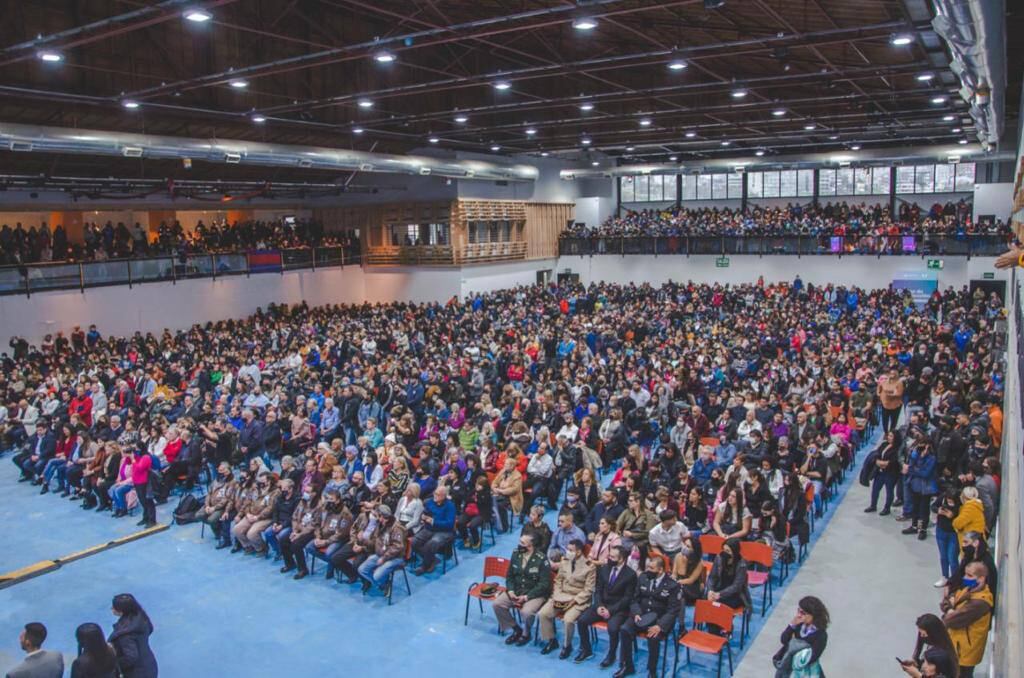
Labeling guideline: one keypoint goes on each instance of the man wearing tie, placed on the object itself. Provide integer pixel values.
(40, 448)
(616, 586)
(653, 613)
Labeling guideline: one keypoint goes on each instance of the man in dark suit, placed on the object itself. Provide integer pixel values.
(653, 613)
(39, 449)
(616, 585)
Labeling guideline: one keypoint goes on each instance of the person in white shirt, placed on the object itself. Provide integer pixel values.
(539, 473)
(640, 395)
(38, 663)
(668, 535)
(748, 425)
(569, 429)
(99, 401)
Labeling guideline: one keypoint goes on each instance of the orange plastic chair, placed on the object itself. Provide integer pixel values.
(655, 553)
(711, 544)
(706, 612)
(760, 555)
(493, 567)
(711, 441)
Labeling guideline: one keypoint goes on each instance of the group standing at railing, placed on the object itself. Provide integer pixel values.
(19, 246)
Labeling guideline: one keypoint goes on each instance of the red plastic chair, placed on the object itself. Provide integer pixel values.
(493, 567)
(759, 555)
(706, 612)
(711, 545)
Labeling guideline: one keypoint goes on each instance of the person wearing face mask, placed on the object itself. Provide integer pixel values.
(973, 547)
(815, 469)
(281, 518)
(528, 585)
(305, 519)
(653, 613)
(257, 515)
(218, 497)
(931, 635)
(804, 640)
(967, 615)
(245, 492)
(615, 587)
(360, 544)
(388, 551)
(727, 581)
(333, 528)
(573, 591)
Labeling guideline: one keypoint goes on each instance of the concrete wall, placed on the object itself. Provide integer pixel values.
(994, 199)
(863, 271)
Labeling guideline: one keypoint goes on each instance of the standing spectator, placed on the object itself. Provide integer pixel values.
(967, 615)
(130, 638)
(932, 635)
(890, 391)
(38, 663)
(920, 468)
(804, 640)
(96, 659)
(142, 463)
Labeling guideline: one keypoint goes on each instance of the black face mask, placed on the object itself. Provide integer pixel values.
(968, 553)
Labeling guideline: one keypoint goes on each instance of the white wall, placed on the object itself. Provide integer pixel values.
(594, 211)
(994, 199)
(488, 278)
(120, 310)
(863, 271)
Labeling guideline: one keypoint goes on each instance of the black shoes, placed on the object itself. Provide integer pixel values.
(566, 651)
(909, 530)
(517, 633)
(550, 647)
(46, 488)
(870, 509)
(922, 535)
(300, 575)
(607, 661)
(366, 586)
(884, 512)
(523, 640)
(582, 656)
(624, 671)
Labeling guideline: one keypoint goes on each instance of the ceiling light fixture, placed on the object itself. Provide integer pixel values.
(259, 118)
(726, 143)
(939, 100)
(901, 39)
(779, 112)
(461, 119)
(586, 106)
(809, 126)
(433, 140)
(384, 57)
(585, 141)
(51, 57)
(948, 118)
(544, 154)
(595, 163)
(677, 65)
(357, 130)
(739, 93)
(630, 149)
(130, 105)
(833, 137)
(645, 122)
(584, 23)
(365, 103)
(691, 134)
(956, 130)
(962, 142)
(239, 84)
(925, 77)
(197, 15)
(529, 131)
(759, 153)
(502, 85)
(855, 147)
(495, 147)
(673, 158)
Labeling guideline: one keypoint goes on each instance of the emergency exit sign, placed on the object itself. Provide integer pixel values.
(935, 263)
(988, 275)
(722, 262)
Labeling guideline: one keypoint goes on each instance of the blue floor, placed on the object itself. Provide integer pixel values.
(220, 614)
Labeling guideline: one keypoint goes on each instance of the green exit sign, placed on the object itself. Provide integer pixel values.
(722, 262)
(988, 275)
(935, 263)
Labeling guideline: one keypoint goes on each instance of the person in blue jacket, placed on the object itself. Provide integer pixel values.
(438, 531)
(923, 475)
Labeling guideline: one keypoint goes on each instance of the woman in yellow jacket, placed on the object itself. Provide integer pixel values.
(971, 517)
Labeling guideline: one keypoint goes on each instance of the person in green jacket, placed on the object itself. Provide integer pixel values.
(528, 586)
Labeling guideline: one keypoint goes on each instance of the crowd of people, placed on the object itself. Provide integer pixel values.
(125, 653)
(373, 436)
(19, 245)
(867, 226)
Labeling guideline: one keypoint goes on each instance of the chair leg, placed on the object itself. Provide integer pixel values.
(729, 651)
(465, 620)
(718, 673)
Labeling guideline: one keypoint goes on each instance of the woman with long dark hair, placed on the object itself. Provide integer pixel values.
(932, 634)
(96, 659)
(130, 638)
(688, 570)
(887, 471)
(804, 640)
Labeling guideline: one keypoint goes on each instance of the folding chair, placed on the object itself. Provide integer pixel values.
(401, 568)
(711, 545)
(706, 612)
(493, 567)
(759, 555)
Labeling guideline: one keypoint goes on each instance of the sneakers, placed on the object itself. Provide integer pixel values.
(922, 535)
(940, 584)
(909, 530)
(884, 512)
(870, 509)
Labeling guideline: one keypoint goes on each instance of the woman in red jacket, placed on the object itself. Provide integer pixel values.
(141, 465)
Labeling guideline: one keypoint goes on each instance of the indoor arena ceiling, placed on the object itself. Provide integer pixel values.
(634, 79)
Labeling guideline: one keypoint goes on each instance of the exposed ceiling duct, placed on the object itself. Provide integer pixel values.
(975, 32)
(33, 138)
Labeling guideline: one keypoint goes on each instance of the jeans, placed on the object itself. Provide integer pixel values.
(273, 538)
(120, 496)
(314, 552)
(949, 551)
(886, 480)
(906, 495)
(819, 487)
(54, 467)
(376, 570)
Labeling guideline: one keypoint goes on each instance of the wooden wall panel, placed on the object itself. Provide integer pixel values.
(544, 223)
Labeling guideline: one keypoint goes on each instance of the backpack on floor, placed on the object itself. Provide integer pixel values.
(185, 511)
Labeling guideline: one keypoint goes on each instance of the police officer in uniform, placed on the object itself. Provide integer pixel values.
(653, 613)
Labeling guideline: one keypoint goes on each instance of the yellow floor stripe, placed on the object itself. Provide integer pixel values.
(46, 566)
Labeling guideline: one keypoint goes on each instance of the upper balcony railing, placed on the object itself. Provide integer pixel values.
(445, 255)
(920, 245)
(29, 278)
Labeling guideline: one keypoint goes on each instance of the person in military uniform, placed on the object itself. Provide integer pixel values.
(528, 585)
(653, 613)
(574, 590)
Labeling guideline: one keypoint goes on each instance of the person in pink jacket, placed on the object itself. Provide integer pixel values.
(141, 466)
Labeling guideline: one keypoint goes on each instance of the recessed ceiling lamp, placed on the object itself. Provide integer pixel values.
(925, 77)
(939, 100)
(900, 39)
(530, 131)
(130, 105)
(584, 23)
(502, 85)
(855, 147)
(739, 93)
(586, 106)
(197, 15)
(495, 147)
(779, 112)
(673, 158)
(365, 103)
(258, 118)
(956, 130)
(51, 57)
(948, 118)
(433, 140)
(726, 143)
(962, 142)
(239, 84)
(630, 149)
(585, 141)
(645, 122)
(357, 130)
(595, 163)
(384, 57)
(809, 126)
(461, 119)
(691, 134)
(759, 153)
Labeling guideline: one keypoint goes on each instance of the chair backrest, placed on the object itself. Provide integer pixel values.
(496, 567)
(710, 441)
(408, 548)
(711, 544)
(757, 553)
(655, 553)
(718, 614)
(809, 494)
